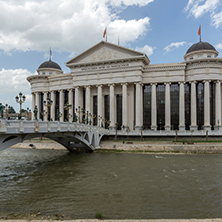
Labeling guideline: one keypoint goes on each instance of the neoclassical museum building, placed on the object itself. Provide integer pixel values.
(110, 85)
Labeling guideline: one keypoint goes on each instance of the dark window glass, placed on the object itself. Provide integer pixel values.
(84, 98)
(160, 97)
(94, 110)
(119, 110)
(74, 108)
(212, 105)
(174, 106)
(200, 105)
(147, 90)
(48, 107)
(187, 91)
(41, 106)
(107, 109)
(57, 106)
(66, 100)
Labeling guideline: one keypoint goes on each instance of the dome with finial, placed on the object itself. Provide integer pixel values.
(49, 67)
(200, 46)
(49, 64)
(200, 50)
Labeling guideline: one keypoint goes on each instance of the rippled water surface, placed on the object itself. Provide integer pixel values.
(117, 185)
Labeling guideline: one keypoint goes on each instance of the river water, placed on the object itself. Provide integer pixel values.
(119, 185)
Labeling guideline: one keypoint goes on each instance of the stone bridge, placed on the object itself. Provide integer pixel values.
(73, 136)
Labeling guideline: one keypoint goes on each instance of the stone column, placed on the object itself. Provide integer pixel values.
(33, 106)
(138, 106)
(125, 106)
(181, 108)
(45, 108)
(99, 104)
(153, 108)
(193, 99)
(71, 105)
(112, 106)
(167, 107)
(61, 105)
(37, 103)
(218, 106)
(207, 125)
(53, 105)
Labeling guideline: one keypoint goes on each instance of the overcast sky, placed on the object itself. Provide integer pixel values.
(163, 29)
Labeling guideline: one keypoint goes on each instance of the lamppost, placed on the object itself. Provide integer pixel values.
(67, 107)
(78, 110)
(20, 99)
(7, 108)
(27, 113)
(48, 102)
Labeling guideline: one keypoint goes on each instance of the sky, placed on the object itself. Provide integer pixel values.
(163, 29)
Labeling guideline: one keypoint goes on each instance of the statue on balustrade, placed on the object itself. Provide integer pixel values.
(35, 111)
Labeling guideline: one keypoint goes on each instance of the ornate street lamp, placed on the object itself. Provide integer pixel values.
(48, 102)
(27, 112)
(20, 99)
(67, 107)
(78, 110)
(7, 108)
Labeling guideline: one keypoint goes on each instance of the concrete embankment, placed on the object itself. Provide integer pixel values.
(146, 147)
(131, 220)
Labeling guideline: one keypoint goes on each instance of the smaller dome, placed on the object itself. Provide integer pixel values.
(200, 46)
(49, 64)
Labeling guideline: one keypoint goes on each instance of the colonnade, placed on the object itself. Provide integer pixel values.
(77, 101)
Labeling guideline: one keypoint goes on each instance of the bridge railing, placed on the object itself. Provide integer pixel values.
(23, 126)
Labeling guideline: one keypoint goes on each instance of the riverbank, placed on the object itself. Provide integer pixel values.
(127, 220)
(135, 146)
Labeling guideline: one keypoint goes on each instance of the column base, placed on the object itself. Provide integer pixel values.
(154, 128)
(167, 128)
(208, 127)
(138, 128)
(193, 128)
(124, 128)
(182, 128)
(112, 128)
(219, 127)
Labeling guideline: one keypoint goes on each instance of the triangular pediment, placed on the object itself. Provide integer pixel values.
(104, 52)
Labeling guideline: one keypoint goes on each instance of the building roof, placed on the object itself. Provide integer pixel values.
(49, 64)
(200, 46)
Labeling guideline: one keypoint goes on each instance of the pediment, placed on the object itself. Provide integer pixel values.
(104, 52)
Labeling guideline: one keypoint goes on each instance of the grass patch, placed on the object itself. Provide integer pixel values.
(99, 216)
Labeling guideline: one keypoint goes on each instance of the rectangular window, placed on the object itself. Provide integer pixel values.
(147, 90)
(160, 97)
(107, 109)
(174, 102)
(95, 110)
(119, 110)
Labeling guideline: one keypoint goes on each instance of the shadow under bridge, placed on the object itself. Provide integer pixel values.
(73, 136)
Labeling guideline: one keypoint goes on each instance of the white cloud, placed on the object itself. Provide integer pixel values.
(12, 82)
(219, 46)
(173, 46)
(66, 25)
(146, 49)
(197, 8)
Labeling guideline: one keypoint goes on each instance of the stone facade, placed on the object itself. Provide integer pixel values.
(110, 84)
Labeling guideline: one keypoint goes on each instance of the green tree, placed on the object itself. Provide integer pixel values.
(11, 110)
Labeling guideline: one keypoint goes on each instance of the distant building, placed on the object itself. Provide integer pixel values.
(117, 84)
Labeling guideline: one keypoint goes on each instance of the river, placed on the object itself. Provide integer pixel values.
(119, 185)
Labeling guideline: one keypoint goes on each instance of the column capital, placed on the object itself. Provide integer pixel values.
(182, 82)
(139, 83)
(167, 83)
(206, 80)
(124, 84)
(100, 85)
(193, 82)
(111, 84)
(153, 84)
(70, 89)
